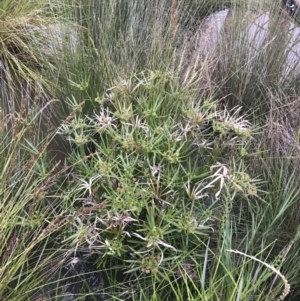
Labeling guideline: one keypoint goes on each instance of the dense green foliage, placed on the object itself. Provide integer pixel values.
(136, 165)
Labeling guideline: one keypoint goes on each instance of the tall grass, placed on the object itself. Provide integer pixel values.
(29, 208)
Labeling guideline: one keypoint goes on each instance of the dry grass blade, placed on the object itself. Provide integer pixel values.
(287, 286)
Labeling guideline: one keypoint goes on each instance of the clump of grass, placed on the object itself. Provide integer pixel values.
(243, 55)
(23, 46)
(29, 211)
(131, 37)
(33, 34)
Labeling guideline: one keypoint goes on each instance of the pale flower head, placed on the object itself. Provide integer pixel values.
(104, 120)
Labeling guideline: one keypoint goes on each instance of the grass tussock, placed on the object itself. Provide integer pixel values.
(29, 212)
